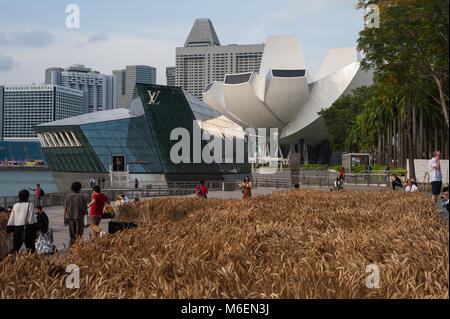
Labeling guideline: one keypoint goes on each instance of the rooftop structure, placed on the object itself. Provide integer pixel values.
(203, 60)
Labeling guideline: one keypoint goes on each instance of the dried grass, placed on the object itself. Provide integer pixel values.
(5, 242)
(298, 244)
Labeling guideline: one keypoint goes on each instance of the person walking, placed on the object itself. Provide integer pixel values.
(97, 206)
(342, 174)
(39, 194)
(22, 223)
(246, 187)
(92, 181)
(201, 191)
(103, 183)
(75, 208)
(136, 183)
(435, 173)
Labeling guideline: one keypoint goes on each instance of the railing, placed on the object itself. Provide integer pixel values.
(57, 199)
(187, 188)
(349, 179)
(303, 180)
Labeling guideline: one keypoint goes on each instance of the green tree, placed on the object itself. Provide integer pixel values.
(412, 41)
(340, 117)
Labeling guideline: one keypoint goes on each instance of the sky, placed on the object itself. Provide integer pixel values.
(113, 34)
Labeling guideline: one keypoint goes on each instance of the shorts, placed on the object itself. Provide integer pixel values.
(95, 219)
(436, 187)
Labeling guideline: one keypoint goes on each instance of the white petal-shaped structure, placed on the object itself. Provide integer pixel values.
(307, 124)
(281, 94)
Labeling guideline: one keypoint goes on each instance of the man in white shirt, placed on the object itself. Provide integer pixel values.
(435, 173)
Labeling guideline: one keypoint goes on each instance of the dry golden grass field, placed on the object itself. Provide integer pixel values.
(297, 244)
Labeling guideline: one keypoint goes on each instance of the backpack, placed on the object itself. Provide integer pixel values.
(41, 193)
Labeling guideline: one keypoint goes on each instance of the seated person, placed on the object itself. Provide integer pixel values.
(123, 199)
(445, 198)
(396, 182)
(338, 184)
(411, 186)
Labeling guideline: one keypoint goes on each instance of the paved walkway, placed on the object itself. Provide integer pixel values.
(61, 232)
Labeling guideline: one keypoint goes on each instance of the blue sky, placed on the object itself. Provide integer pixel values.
(112, 34)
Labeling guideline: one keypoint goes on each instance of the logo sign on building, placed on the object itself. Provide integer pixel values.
(153, 97)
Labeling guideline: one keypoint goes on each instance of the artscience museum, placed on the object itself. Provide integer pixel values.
(284, 95)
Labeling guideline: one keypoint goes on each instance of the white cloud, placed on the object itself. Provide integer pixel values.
(102, 56)
(284, 17)
(6, 63)
(98, 38)
(34, 38)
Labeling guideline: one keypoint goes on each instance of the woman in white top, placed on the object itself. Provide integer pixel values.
(411, 186)
(22, 222)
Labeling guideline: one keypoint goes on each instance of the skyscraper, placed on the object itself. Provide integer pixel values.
(127, 79)
(99, 89)
(203, 60)
(170, 75)
(25, 106)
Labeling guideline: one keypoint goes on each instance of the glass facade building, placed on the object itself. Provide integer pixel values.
(138, 140)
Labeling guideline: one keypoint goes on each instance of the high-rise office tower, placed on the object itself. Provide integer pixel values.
(203, 60)
(100, 89)
(2, 90)
(127, 79)
(24, 106)
(170, 75)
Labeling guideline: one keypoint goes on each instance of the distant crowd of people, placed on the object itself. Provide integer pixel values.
(99, 181)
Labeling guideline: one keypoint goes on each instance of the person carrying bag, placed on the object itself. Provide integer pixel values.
(22, 223)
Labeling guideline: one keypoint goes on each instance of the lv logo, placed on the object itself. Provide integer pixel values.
(153, 97)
